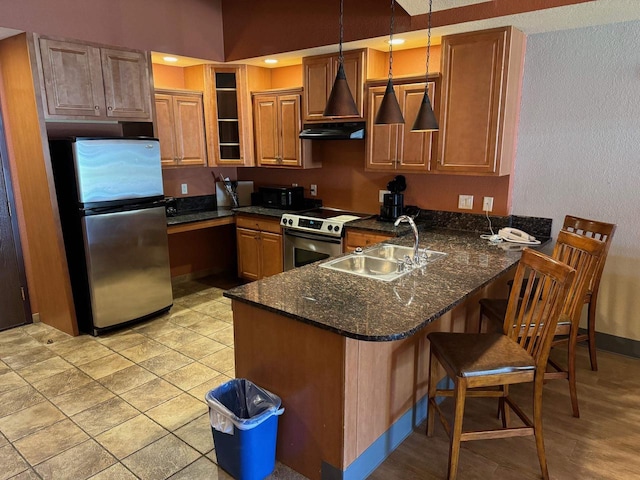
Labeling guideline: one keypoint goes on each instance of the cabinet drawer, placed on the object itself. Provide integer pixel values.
(256, 223)
(363, 239)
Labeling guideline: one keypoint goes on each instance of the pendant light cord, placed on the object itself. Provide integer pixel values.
(426, 85)
(340, 56)
(393, 8)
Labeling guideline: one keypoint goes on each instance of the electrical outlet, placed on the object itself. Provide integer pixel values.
(294, 184)
(487, 204)
(313, 190)
(465, 202)
(184, 188)
(381, 194)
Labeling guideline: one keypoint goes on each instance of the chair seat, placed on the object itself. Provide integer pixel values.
(475, 354)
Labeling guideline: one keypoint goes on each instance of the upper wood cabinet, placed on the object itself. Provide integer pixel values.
(395, 147)
(89, 82)
(229, 122)
(180, 128)
(278, 122)
(319, 73)
(481, 84)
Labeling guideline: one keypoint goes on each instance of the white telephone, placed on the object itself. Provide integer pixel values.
(514, 235)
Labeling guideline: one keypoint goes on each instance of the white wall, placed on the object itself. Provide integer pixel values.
(579, 150)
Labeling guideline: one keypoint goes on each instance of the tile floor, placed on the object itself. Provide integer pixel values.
(125, 405)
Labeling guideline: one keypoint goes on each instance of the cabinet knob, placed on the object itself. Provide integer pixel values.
(110, 108)
(96, 107)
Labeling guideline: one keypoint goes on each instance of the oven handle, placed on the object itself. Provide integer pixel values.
(311, 236)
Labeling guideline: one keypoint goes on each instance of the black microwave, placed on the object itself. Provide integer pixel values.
(287, 198)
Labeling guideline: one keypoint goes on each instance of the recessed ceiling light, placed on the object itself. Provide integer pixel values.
(270, 60)
(170, 59)
(396, 41)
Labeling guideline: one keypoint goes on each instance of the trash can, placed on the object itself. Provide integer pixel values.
(244, 423)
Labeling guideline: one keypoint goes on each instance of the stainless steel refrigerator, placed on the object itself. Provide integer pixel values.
(111, 203)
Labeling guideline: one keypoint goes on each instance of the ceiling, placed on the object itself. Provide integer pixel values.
(590, 13)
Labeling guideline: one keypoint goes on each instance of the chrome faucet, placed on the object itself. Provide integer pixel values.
(406, 218)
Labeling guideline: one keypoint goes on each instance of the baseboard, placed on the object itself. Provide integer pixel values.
(187, 277)
(614, 344)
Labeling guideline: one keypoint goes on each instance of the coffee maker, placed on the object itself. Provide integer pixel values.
(393, 202)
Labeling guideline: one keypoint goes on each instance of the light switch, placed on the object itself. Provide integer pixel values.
(184, 188)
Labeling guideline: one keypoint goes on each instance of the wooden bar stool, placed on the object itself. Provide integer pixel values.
(583, 254)
(604, 232)
(518, 355)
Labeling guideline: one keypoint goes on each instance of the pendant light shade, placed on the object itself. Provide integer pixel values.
(426, 119)
(341, 103)
(389, 112)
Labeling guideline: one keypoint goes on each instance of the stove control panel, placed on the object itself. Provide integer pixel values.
(310, 224)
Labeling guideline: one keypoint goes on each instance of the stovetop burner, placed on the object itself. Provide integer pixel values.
(323, 220)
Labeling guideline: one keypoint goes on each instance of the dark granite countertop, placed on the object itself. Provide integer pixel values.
(375, 225)
(261, 211)
(199, 216)
(368, 309)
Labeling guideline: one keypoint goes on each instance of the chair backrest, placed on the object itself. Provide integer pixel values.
(593, 229)
(531, 320)
(582, 254)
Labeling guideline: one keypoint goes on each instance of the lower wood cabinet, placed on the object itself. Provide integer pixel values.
(363, 239)
(259, 247)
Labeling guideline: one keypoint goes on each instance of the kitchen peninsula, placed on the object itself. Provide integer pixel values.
(348, 354)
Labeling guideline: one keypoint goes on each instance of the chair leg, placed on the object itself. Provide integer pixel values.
(431, 395)
(591, 326)
(571, 373)
(503, 408)
(460, 391)
(537, 424)
(480, 320)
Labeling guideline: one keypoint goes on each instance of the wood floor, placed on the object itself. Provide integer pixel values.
(603, 444)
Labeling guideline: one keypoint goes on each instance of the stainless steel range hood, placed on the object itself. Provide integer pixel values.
(333, 131)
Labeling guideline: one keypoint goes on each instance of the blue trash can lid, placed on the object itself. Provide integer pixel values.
(242, 403)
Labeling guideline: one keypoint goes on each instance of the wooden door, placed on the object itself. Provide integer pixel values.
(165, 129)
(289, 127)
(72, 77)
(353, 65)
(414, 149)
(382, 140)
(126, 84)
(14, 304)
(266, 129)
(189, 129)
(472, 73)
(248, 253)
(318, 80)
(272, 258)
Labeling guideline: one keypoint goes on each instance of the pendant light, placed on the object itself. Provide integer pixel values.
(389, 111)
(341, 103)
(426, 119)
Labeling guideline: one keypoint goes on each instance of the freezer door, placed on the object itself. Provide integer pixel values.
(117, 169)
(127, 259)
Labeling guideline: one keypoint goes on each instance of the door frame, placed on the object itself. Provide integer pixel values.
(4, 158)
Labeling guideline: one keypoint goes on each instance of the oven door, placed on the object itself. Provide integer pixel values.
(301, 248)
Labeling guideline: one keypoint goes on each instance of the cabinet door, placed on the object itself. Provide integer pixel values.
(355, 239)
(126, 84)
(272, 261)
(72, 79)
(414, 148)
(472, 72)
(248, 253)
(353, 68)
(382, 140)
(290, 126)
(317, 82)
(165, 129)
(189, 128)
(266, 129)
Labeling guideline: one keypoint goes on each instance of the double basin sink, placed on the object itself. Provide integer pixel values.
(384, 262)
